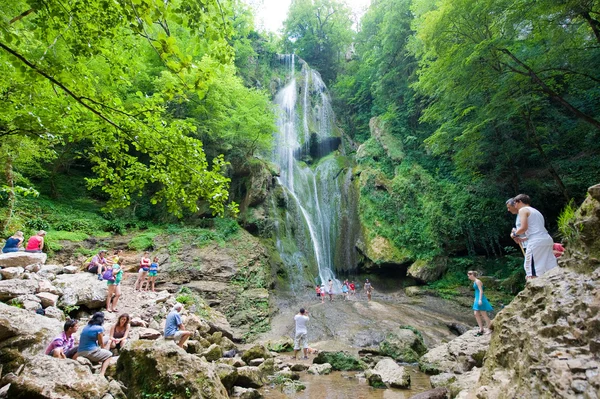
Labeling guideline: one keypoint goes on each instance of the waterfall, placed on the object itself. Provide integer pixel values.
(315, 180)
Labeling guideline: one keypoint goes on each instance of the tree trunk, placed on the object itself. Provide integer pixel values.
(10, 182)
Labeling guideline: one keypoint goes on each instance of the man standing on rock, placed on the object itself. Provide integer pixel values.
(300, 338)
(174, 328)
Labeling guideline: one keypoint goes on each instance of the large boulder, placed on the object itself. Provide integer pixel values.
(249, 377)
(23, 334)
(546, 343)
(429, 270)
(391, 374)
(257, 351)
(320, 369)
(22, 259)
(45, 377)
(403, 345)
(10, 273)
(81, 289)
(10, 289)
(457, 356)
(162, 368)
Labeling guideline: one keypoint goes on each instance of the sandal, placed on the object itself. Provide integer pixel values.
(479, 333)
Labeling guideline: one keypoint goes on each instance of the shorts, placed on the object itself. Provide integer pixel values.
(97, 355)
(300, 339)
(152, 273)
(68, 354)
(319, 295)
(176, 337)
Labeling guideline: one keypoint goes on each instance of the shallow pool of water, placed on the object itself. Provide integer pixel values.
(343, 385)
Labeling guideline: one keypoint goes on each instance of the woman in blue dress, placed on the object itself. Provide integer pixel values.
(480, 305)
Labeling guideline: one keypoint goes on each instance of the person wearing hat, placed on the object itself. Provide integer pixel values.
(97, 264)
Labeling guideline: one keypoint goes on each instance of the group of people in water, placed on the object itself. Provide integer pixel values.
(14, 243)
(348, 290)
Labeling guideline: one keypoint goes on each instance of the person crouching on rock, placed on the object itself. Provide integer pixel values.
(174, 328)
(480, 305)
(118, 333)
(63, 346)
(92, 340)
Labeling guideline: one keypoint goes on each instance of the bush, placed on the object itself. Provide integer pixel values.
(37, 224)
(143, 241)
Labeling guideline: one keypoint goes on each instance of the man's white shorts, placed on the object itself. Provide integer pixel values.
(300, 339)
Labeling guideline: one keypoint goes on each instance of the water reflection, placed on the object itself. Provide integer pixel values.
(343, 385)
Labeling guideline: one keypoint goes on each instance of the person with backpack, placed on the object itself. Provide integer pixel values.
(113, 276)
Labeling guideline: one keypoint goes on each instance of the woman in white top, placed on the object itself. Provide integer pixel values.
(538, 257)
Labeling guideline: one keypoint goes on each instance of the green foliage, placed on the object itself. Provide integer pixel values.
(143, 241)
(15, 302)
(566, 228)
(185, 299)
(320, 32)
(340, 361)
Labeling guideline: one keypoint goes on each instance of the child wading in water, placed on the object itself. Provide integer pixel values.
(480, 305)
(152, 272)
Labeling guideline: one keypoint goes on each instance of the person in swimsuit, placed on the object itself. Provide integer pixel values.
(36, 242)
(352, 288)
(13, 243)
(345, 290)
(118, 333)
(143, 272)
(368, 289)
(318, 290)
(152, 273)
(481, 306)
(539, 257)
(330, 290)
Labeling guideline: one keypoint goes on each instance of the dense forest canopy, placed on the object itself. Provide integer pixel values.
(483, 100)
(133, 89)
(157, 102)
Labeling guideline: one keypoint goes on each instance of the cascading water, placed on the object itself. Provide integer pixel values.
(316, 182)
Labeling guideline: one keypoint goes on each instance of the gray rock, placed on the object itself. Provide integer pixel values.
(46, 286)
(137, 322)
(249, 377)
(214, 352)
(23, 334)
(10, 289)
(392, 374)
(70, 269)
(227, 374)
(51, 269)
(33, 268)
(38, 379)
(320, 369)
(256, 362)
(171, 368)
(47, 299)
(10, 273)
(81, 289)
(22, 259)
(301, 367)
(428, 271)
(257, 351)
(245, 393)
(55, 313)
(437, 393)
(459, 355)
(148, 333)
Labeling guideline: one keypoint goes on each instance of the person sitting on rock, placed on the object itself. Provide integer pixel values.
(13, 243)
(91, 341)
(118, 333)
(97, 263)
(63, 346)
(174, 328)
(36, 242)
